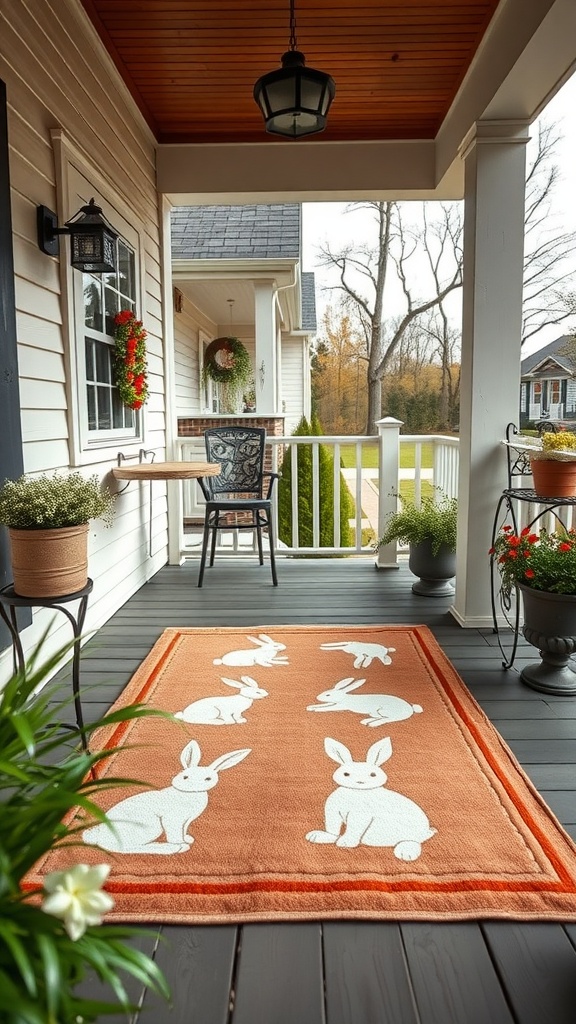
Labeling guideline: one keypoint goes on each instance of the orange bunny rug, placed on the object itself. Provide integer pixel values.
(318, 772)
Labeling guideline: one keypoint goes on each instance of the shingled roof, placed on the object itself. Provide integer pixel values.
(554, 351)
(236, 232)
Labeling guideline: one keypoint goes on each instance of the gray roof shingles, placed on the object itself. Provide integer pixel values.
(554, 349)
(236, 232)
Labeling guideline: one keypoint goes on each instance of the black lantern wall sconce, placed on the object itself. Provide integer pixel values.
(294, 100)
(92, 239)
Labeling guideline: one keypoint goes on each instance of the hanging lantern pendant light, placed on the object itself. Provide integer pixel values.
(295, 99)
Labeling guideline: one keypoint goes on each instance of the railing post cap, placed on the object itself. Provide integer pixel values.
(389, 421)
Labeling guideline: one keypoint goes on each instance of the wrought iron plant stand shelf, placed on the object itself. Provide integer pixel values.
(555, 651)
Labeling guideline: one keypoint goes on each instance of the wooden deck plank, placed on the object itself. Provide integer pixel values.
(452, 974)
(513, 710)
(537, 963)
(548, 751)
(547, 777)
(93, 988)
(537, 728)
(198, 964)
(366, 974)
(563, 803)
(280, 977)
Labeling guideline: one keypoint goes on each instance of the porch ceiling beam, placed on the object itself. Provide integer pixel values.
(292, 172)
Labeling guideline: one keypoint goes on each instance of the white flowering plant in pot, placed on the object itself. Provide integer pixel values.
(47, 518)
(50, 502)
(52, 938)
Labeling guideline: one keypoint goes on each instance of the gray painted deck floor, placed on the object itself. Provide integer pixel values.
(355, 972)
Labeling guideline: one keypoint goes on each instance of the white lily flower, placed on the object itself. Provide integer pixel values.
(75, 896)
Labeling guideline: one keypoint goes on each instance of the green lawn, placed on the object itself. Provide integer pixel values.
(370, 455)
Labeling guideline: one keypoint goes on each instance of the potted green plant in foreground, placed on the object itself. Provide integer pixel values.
(51, 939)
(47, 519)
(542, 566)
(430, 531)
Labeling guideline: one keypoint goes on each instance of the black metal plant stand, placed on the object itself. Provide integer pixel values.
(507, 512)
(10, 601)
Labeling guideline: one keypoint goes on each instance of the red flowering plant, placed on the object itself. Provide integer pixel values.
(539, 560)
(130, 359)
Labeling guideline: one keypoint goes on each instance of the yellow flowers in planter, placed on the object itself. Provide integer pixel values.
(557, 444)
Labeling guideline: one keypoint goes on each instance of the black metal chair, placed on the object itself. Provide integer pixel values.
(240, 498)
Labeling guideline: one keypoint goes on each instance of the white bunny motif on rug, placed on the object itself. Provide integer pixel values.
(265, 654)
(369, 814)
(137, 822)
(364, 653)
(224, 710)
(381, 708)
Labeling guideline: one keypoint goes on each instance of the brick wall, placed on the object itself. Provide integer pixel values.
(194, 426)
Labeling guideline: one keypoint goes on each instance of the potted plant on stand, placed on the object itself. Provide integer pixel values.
(553, 465)
(542, 566)
(430, 531)
(47, 519)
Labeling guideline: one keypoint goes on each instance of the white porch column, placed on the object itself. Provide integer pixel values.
(265, 337)
(495, 169)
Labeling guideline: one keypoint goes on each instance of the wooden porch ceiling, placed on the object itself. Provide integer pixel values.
(191, 64)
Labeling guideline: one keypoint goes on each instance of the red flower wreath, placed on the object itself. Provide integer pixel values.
(130, 359)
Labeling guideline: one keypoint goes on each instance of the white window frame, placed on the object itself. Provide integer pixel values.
(77, 183)
(97, 438)
(207, 393)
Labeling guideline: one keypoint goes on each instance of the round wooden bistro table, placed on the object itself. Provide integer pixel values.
(163, 471)
(166, 470)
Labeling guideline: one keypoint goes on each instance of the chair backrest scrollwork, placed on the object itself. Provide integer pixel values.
(240, 452)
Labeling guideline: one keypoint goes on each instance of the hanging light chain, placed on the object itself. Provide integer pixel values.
(293, 40)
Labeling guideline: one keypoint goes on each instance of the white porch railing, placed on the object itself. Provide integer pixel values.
(375, 470)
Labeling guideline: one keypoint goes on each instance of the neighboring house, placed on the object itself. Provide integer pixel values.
(237, 272)
(548, 384)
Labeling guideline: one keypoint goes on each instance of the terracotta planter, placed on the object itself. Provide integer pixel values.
(49, 563)
(550, 625)
(554, 478)
(435, 571)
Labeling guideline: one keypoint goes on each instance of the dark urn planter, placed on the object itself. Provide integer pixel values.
(435, 571)
(550, 625)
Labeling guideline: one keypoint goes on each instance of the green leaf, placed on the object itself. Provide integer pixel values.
(20, 955)
(52, 971)
(22, 727)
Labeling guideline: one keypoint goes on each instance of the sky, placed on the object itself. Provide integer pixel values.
(335, 224)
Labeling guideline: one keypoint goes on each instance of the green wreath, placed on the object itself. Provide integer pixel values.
(227, 362)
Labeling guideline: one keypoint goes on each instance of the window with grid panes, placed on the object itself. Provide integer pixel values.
(104, 296)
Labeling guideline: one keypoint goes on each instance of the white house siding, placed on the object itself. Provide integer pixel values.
(292, 375)
(58, 77)
(189, 327)
(571, 397)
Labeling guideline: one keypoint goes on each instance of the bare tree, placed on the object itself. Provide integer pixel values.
(426, 263)
(445, 338)
(365, 271)
(547, 267)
